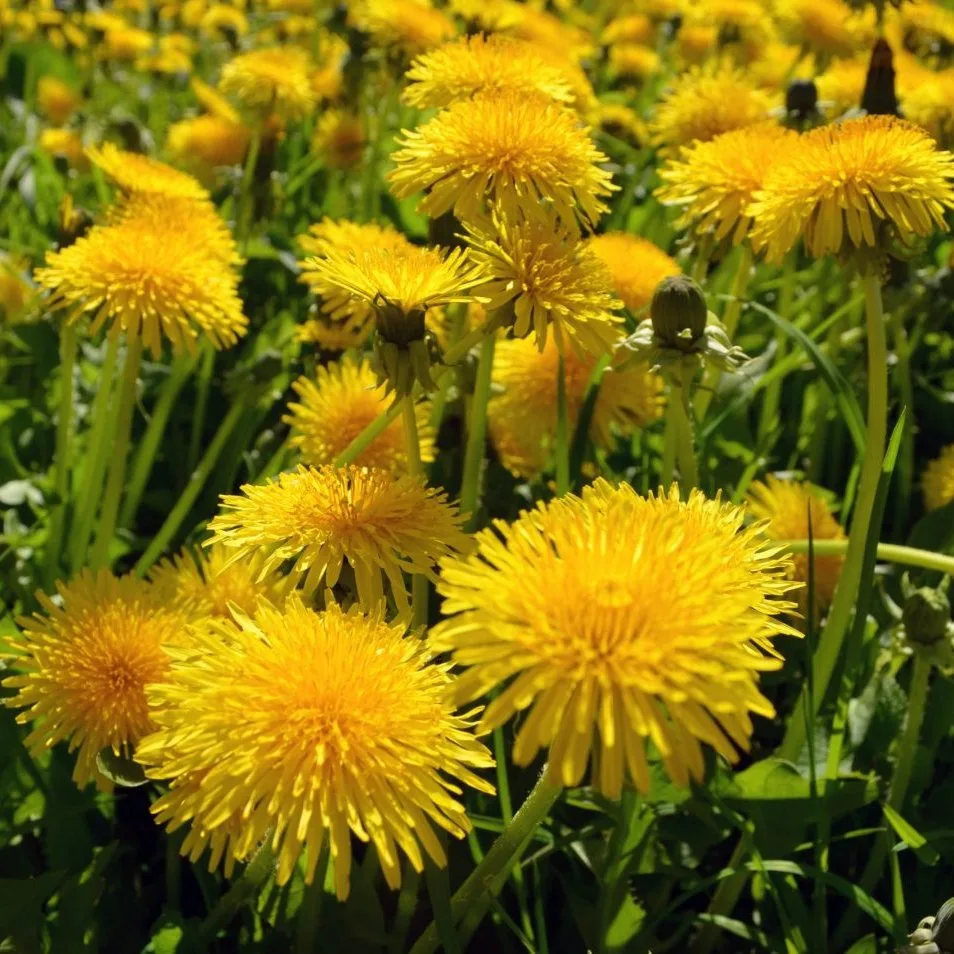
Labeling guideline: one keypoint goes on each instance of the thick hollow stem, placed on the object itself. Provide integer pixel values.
(833, 635)
(477, 429)
(414, 468)
(117, 465)
(679, 438)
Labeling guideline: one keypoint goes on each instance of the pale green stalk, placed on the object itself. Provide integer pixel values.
(477, 429)
(562, 433)
(415, 469)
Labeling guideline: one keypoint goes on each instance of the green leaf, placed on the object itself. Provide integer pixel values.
(864, 945)
(934, 531)
(21, 909)
(911, 836)
(120, 770)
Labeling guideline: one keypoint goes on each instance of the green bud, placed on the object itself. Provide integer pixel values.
(926, 614)
(678, 312)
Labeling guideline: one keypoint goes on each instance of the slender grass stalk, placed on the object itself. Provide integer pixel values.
(87, 500)
(833, 634)
(768, 416)
(256, 873)
(155, 429)
(438, 888)
(116, 477)
(191, 491)
(902, 352)
(61, 462)
(406, 903)
(243, 220)
(562, 433)
(203, 387)
(726, 895)
(309, 914)
(415, 469)
(477, 430)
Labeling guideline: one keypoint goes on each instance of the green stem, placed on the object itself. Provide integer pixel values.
(887, 553)
(668, 467)
(243, 223)
(203, 387)
(438, 888)
(768, 418)
(61, 470)
(726, 896)
(309, 914)
(477, 429)
(415, 469)
(562, 433)
(460, 348)
(833, 635)
(368, 435)
(155, 429)
(478, 887)
(682, 436)
(407, 902)
(700, 268)
(243, 890)
(902, 352)
(87, 501)
(191, 491)
(117, 464)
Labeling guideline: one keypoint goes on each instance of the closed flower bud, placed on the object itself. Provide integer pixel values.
(926, 615)
(678, 312)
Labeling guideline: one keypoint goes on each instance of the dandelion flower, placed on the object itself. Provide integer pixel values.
(829, 27)
(213, 102)
(640, 618)
(715, 181)
(319, 518)
(631, 28)
(299, 727)
(339, 139)
(85, 664)
(842, 84)
(785, 506)
(329, 335)
(133, 173)
(937, 482)
(207, 582)
(272, 79)
(64, 144)
(56, 100)
(930, 105)
(152, 277)
(622, 122)
(474, 64)
(408, 26)
(209, 141)
(632, 61)
(550, 279)
(16, 292)
(338, 405)
(520, 150)
(635, 266)
(522, 416)
(839, 186)
(703, 103)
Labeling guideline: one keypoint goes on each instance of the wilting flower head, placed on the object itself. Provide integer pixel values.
(520, 150)
(550, 279)
(338, 405)
(400, 284)
(620, 617)
(161, 269)
(209, 141)
(785, 506)
(474, 64)
(320, 518)
(838, 187)
(703, 103)
(715, 181)
(56, 100)
(85, 664)
(298, 727)
(206, 582)
(134, 173)
(276, 79)
(339, 139)
(636, 266)
(522, 416)
(937, 481)
(408, 27)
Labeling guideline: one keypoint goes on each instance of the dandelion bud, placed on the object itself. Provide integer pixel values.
(678, 312)
(926, 615)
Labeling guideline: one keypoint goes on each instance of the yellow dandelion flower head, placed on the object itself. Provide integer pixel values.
(715, 181)
(927, 27)
(520, 150)
(56, 100)
(16, 291)
(83, 664)
(630, 28)
(213, 102)
(222, 19)
(937, 481)
(841, 85)
(132, 172)
(522, 415)
(335, 407)
(327, 81)
(541, 26)
(208, 141)
(785, 506)
(124, 44)
(695, 42)
(64, 144)
(828, 27)
(639, 618)
(206, 582)
(624, 123)
(930, 104)
(407, 26)
(778, 64)
(329, 335)
(634, 61)
(551, 279)
(151, 276)
(473, 64)
(274, 79)
(336, 724)
(320, 518)
(706, 102)
(741, 25)
(636, 266)
(838, 185)
(339, 139)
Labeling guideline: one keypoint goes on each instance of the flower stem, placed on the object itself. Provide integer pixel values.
(562, 433)
(477, 429)
(61, 471)
(149, 445)
(415, 469)
(87, 501)
(368, 435)
(117, 465)
(191, 491)
(681, 437)
(309, 913)
(203, 386)
(498, 859)
(833, 634)
(887, 553)
(243, 221)
(256, 873)
(768, 418)
(460, 348)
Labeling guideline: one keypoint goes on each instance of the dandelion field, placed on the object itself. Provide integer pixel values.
(476, 476)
